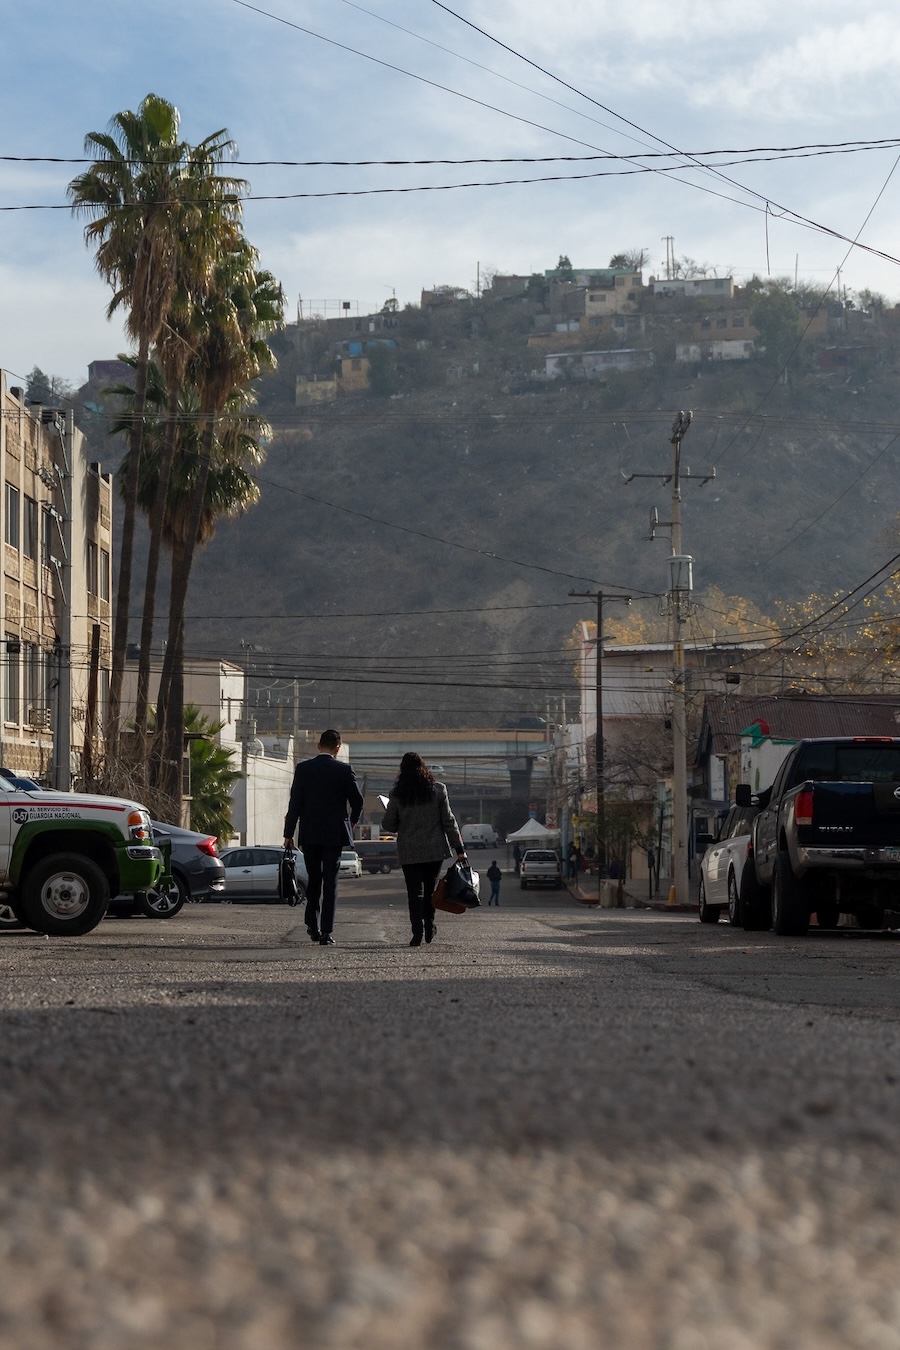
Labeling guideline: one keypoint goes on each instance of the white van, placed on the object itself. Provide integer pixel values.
(480, 836)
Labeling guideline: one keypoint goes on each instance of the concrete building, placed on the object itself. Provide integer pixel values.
(594, 365)
(728, 349)
(55, 619)
(688, 287)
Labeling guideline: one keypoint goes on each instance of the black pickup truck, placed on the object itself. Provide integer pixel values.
(826, 840)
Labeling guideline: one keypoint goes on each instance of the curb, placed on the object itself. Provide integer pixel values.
(660, 906)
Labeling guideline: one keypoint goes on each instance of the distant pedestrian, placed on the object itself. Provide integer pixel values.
(418, 812)
(517, 858)
(494, 876)
(322, 791)
(571, 862)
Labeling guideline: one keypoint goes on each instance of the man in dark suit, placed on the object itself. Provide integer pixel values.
(327, 803)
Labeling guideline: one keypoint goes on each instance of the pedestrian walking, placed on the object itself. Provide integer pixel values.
(517, 858)
(326, 803)
(494, 876)
(571, 861)
(418, 812)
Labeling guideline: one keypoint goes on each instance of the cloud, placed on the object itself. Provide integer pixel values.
(817, 77)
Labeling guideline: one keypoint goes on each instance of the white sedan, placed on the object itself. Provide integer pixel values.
(723, 865)
(350, 863)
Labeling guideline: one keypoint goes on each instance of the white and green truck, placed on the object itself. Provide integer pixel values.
(63, 854)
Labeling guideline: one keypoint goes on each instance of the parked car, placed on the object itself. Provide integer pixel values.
(378, 855)
(540, 867)
(197, 875)
(251, 873)
(351, 864)
(723, 863)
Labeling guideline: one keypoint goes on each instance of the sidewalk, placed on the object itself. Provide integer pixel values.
(608, 894)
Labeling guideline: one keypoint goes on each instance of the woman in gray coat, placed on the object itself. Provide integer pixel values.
(418, 811)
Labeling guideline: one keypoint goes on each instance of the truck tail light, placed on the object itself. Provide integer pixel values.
(803, 807)
(209, 846)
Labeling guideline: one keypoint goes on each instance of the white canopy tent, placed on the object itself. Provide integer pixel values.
(533, 833)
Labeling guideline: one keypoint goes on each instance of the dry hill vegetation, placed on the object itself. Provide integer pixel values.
(393, 530)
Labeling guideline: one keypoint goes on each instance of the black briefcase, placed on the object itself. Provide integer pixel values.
(288, 889)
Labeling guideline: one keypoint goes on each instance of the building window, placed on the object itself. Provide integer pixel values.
(92, 568)
(12, 692)
(737, 323)
(104, 574)
(597, 299)
(30, 528)
(31, 668)
(706, 323)
(12, 515)
(618, 322)
(721, 323)
(47, 550)
(596, 321)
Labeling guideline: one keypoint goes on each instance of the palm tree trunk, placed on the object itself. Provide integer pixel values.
(156, 526)
(129, 517)
(169, 717)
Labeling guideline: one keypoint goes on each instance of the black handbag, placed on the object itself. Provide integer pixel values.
(288, 889)
(461, 885)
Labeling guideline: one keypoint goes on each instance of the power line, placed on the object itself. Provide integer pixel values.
(782, 151)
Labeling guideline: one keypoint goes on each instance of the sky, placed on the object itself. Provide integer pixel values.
(411, 80)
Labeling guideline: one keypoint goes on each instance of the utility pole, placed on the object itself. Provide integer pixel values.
(61, 775)
(669, 241)
(598, 694)
(679, 593)
(680, 586)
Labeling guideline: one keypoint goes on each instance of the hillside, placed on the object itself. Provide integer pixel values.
(501, 463)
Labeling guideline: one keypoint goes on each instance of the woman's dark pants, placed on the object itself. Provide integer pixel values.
(420, 881)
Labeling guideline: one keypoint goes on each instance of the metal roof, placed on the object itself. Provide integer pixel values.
(797, 716)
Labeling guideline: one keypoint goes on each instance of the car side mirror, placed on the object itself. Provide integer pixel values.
(743, 795)
(703, 842)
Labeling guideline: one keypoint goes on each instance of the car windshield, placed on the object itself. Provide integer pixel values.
(19, 780)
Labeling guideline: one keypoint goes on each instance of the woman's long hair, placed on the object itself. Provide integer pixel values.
(415, 781)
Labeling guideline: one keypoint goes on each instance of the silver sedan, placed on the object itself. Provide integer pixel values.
(251, 873)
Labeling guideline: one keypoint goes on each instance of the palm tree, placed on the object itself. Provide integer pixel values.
(212, 775)
(230, 487)
(242, 305)
(139, 197)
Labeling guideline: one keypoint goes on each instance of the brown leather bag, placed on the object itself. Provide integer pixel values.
(440, 901)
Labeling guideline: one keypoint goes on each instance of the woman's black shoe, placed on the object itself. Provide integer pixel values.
(430, 931)
(416, 940)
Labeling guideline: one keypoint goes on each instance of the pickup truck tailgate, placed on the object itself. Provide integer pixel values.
(854, 813)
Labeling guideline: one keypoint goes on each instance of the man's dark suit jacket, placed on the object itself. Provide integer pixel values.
(321, 793)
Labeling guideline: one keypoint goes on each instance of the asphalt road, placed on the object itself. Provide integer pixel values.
(556, 1128)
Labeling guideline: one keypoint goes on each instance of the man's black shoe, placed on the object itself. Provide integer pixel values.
(326, 940)
(314, 935)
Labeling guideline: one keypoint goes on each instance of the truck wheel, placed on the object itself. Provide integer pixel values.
(165, 902)
(65, 895)
(790, 903)
(385, 868)
(755, 906)
(734, 901)
(708, 913)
